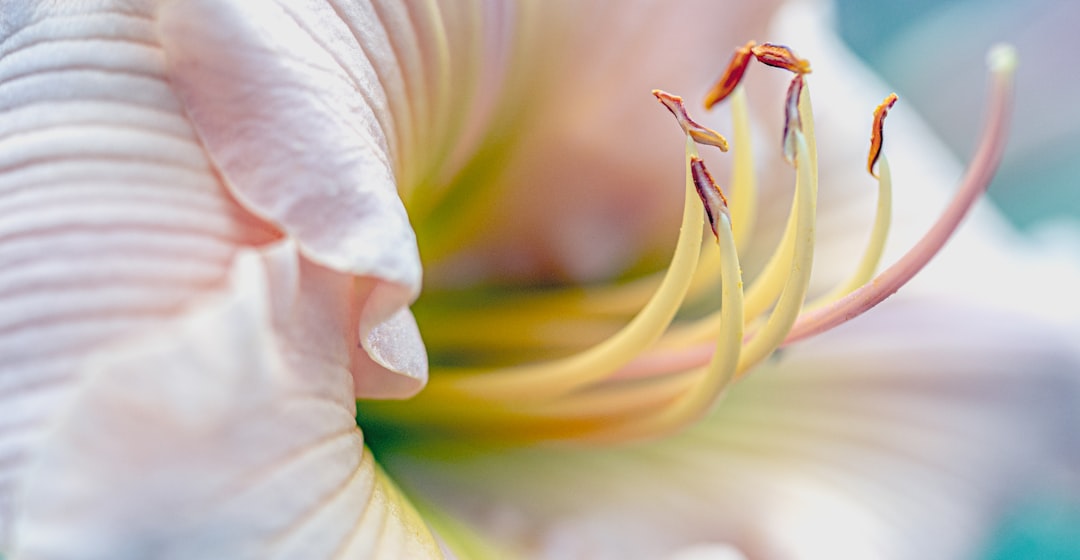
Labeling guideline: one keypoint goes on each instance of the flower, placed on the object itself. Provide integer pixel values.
(187, 339)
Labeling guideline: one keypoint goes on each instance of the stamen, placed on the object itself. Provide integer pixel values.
(788, 307)
(699, 399)
(646, 381)
(1002, 61)
(533, 382)
(733, 74)
(879, 234)
(871, 257)
(764, 291)
(877, 132)
(697, 391)
(710, 194)
(780, 56)
(767, 287)
(700, 134)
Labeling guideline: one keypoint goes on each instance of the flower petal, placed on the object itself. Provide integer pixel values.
(216, 437)
(901, 438)
(293, 137)
(111, 218)
(290, 110)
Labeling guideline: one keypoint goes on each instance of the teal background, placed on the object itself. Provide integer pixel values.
(1032, 189)
(1038, 180)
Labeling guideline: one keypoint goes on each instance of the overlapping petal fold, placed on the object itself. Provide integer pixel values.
(111, 218)
(119, 209)
(301, 134)
(220, 436)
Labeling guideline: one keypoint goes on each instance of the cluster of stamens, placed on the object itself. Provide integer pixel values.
(652, 377)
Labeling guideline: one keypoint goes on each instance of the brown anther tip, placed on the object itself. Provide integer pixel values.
(700, 134)
(710, 194)
(792, 119)
(780, 56)
(731, 77)
(877, 132)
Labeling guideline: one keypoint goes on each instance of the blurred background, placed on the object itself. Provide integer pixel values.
(921, 47)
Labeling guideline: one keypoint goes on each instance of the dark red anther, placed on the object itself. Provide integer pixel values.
(710, 194)
(723, 87)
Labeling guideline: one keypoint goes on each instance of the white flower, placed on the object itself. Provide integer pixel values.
(207, 257)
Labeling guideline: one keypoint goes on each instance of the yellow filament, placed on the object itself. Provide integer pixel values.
(611, 403)
(533, 382)
(788, 307)
(696, 402)
(743, 211)
(575, 397)
(689, 390)
(546, 311)
(591, 308)
(766, 288)
(743, 195)
(743, 181)
(871, 257)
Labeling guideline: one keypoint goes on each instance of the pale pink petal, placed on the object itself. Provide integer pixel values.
(291, 111)
(215, 436)
(394, 344)
(291, 133)
(111, 218)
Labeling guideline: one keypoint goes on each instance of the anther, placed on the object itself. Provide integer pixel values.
(876, 133)
(780, 56)
(699, 133)
(733, 74)
(792, 120)
(710, 194)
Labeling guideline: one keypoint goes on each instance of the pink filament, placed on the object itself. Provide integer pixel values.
(977, 178)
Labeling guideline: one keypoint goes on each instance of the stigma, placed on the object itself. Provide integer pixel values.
(670, 363)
